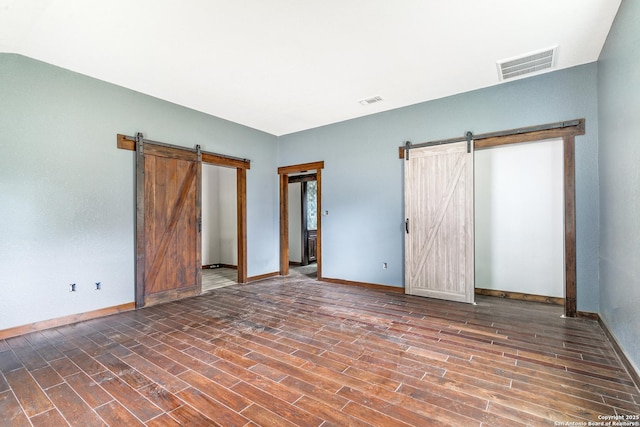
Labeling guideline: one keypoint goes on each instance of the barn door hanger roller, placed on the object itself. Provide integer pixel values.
(469, 136)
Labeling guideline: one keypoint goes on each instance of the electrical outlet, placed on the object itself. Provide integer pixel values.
(98, 286)
(72, 287)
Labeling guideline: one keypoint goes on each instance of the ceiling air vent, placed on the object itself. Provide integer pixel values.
(372, 100)
(527, 64)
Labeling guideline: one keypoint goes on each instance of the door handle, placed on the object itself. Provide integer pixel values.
(406, 225)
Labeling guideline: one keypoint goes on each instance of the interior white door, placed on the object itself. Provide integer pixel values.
(439, 245)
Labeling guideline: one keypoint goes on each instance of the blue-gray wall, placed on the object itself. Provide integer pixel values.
(362, 180)
(67, 194)
(67, 202)
(619, 155)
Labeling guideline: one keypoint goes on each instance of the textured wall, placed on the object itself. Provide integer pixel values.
(619, 155)
(227, 216)
(362, 180)
(210, 219)
(67, 202)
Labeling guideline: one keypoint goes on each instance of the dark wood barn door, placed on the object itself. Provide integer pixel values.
(168, 238)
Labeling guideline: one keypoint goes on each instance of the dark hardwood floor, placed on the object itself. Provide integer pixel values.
(293, 351)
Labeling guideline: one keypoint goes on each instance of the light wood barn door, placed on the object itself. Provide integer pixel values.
(168, 265)
(439, 248)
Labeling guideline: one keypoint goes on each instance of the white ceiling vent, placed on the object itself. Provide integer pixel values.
(372, 100)
(527, 64)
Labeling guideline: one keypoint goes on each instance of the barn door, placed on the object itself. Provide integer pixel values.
(168, 265)
(439, 248)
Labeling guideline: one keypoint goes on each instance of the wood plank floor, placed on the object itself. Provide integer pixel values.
(293, 351)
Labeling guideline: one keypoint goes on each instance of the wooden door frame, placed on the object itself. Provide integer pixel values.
(241, 211)
(284, 172)
(567, 131)
(241, 165)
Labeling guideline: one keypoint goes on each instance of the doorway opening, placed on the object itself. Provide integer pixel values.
(519, 239)
(219, 225)
(306, 184)
(303, 224)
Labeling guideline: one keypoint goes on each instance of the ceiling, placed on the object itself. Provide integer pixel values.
(282, 66)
